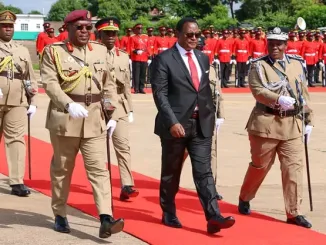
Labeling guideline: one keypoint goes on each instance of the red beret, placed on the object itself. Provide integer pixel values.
(170, 30)
(78, 15)
(50, 29)
(206, 32)
(150, 29)
(46, 24)
(138, 26)
(162, 28)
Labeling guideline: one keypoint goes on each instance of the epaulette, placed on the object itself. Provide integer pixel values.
(259, 58)
(295, 57)
(96, 42)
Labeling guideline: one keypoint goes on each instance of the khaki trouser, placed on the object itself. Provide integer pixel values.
(120, 139)
(62, 166)
(263, 153)
(12, 126)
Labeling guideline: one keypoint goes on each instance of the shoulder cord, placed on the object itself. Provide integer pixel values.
(74, 80)
(8, 60)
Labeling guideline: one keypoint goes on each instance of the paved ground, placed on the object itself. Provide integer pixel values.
(28, 218)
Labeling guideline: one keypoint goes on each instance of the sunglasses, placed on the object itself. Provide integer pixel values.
(81, 27)
(192, 34)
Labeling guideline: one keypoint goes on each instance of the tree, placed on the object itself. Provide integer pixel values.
(13, 9)
(122, 9)
(61, 8)
(218, 18)
(315, 16)
(231, 3)
(34, 12)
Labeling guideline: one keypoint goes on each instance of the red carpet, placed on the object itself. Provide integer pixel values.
(230, 90)
(143, 214)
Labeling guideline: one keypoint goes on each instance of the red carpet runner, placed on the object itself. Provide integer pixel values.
(143, 215)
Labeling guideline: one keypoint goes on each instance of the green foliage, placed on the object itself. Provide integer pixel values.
(61, 8)
(218, 18)
(34, 12)
(315, 16)
(13, 9)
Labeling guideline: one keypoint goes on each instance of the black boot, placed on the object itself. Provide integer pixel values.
(61, 224)
(20, 190)
(299, 220)
(244, 207)
(109, 225)
(128, 192)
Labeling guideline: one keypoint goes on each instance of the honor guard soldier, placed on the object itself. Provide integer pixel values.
(139, 57)
(277, 123)
(40, 38)
(108, 29)
(18, 88)
(75, 77)
(309, 53)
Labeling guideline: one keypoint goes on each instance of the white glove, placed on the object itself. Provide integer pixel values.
(130, 62)
(149, 62)
(218, 123)
(308, 130)
(321, 65)
(131, 117)
(77, 110)
(1, 94)
(286, 102)
(140, 51)
(31, 110)
(111, 127)
(216, 61)
(248, 61)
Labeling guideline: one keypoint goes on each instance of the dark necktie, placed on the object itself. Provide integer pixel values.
(193, 71)
(282, 64)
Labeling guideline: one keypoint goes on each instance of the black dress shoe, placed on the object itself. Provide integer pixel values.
(244, 207)
(61, 224)
(218, 222)
(142, 92)
(219, 197)
(109, 225)
(299, 220)
(128, 192)
(20, 190)
(171, 220)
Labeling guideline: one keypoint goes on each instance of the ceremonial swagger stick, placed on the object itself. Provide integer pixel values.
(109, 163)
(29, 146)
(308, 170)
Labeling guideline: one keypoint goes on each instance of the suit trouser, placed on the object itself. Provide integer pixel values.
(62, 166)
(120, 139)
(311, 72)
(13, 126)
(199, 149)
(225, 73)
(241, 68)
(139, 75)
(213, 155)
(263, 153)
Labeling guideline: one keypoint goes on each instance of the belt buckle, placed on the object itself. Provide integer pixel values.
(9, 74)
(88, 99)
(282, 113)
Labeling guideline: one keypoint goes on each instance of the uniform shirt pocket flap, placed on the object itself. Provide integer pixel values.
(100, 67)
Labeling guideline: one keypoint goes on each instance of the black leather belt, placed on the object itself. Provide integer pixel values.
(87, 98)
(195, 115)
(5, 74)
(281, 113)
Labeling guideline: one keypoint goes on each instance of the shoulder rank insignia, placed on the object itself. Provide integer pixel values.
(259, 58)
(295, 57)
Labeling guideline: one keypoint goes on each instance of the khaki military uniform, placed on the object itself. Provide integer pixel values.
(69, 135)
(13, 105)
(271, 134)
(119, 65)
(218, 100)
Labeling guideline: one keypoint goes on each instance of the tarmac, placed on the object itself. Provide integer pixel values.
(30, 220)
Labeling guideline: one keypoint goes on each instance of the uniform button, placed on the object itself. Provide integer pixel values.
(89, 88)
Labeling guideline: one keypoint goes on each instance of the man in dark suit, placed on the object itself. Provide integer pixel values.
(185, 120)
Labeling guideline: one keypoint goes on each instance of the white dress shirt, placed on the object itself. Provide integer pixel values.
(184, 57)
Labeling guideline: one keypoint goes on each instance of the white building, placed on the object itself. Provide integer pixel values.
(28, 26)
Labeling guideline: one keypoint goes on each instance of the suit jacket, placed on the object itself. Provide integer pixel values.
(175, 95)
(262, 73)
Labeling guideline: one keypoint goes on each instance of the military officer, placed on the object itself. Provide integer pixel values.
(218, 102)
(75, 77)
(108, 29)
(276, 125)
(18, 88)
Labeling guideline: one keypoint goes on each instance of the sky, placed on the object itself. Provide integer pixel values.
(40, 5)
(28, 5)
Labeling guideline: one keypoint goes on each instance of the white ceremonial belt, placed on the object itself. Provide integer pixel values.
(258, 53)
(207, 51)
(162, 48)
(224, 51)
(307, 54)
(292, 50)
(242, 51)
